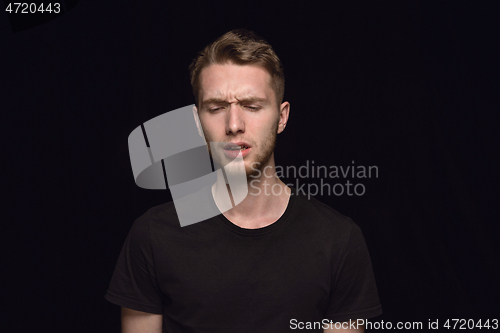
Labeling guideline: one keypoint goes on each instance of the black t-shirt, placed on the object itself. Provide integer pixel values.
(213, 276)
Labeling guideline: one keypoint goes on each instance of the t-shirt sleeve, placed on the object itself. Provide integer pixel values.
(134, 282)
(354, 294)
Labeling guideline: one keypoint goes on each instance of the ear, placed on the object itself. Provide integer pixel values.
(284, 112)
(198, 123)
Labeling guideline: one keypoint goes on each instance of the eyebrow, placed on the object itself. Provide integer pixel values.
(244, 100)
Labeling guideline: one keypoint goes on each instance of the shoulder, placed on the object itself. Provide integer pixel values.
(164, 213)
(161, 224)
(320, 215)
(323, 228)
(158, 217)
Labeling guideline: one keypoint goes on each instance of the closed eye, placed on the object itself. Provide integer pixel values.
(215, 109)
(253, 108)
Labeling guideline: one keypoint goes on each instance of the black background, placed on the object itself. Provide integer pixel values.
(409, 87)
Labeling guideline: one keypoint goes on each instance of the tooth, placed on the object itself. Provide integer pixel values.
(237, 148)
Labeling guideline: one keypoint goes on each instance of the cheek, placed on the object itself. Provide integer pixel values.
(263, 126)
(209, 128)
(266, 124)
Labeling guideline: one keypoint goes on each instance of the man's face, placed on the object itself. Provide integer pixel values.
(238, 107)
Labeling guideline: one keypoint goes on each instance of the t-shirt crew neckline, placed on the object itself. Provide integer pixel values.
(264, 230)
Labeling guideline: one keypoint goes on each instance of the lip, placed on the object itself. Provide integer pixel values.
(234, 153)
(238, 143)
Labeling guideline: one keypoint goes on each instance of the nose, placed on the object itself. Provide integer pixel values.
(235, 122)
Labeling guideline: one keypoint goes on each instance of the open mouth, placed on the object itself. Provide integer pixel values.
(234, 149)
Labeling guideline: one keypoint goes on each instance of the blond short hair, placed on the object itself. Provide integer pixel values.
(240, 47)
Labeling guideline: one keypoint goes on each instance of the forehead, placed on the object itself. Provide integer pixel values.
(230, 80)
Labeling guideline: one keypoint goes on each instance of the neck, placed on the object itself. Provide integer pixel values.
(266, 201)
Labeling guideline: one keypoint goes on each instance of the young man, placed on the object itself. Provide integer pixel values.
(274, 262)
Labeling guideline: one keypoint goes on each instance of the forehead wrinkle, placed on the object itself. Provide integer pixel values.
(226, 90)
(251, 98)
(244, 96)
